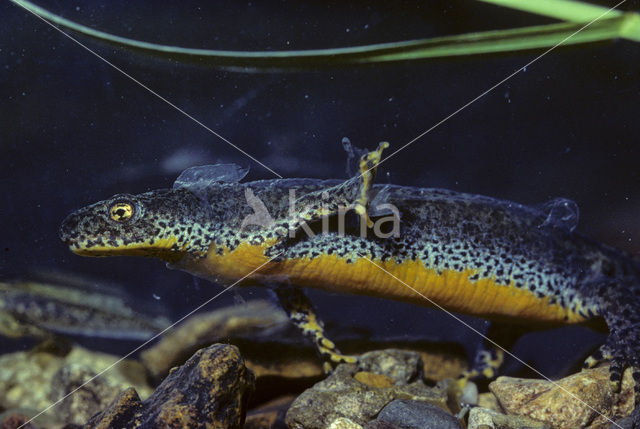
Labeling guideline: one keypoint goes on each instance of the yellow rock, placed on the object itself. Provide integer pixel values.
(441, 363)
(488, 400)
(583, 400)
(373, 380)
(344, 423)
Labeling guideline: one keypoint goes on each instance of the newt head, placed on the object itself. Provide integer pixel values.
(158, 224)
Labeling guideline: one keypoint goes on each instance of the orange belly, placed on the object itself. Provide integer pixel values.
(409, 281)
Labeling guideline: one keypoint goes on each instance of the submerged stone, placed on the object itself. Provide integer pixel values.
(406, 414)
(489, 401)
(210, 390)
(15, 420)
(583, 400)
(344, 423)
(343, 395)
(119, 414)
(483, 418)
(33, 380)
(82, 393)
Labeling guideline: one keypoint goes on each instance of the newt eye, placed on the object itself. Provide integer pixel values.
(121, 212)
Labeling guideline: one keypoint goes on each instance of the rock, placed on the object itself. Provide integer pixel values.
(489, 401)
(33, 380)
(482, 418)
(41, 421)
(443, 360)
(572, 402)
(82, 393)
(625, 423)
(407, 414)
(342, 395)
(25, 379)
(15, 420)
(344, 423)
(210, 390)
(372, 379)
(119, 414)
(121, 373)
(377, 424)
(417, 415)
(402, 367)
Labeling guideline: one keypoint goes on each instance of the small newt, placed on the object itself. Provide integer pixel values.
(44, 311)
(472, 254)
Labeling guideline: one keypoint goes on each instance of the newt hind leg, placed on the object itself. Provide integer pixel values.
(620, 307)
(300, 311)
(489, 356)
(619, 304)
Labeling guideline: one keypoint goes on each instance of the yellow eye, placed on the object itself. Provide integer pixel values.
(121, 212)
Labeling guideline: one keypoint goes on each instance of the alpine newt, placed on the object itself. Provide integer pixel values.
(472, 254)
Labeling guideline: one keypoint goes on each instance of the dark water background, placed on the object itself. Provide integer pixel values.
(74, 131)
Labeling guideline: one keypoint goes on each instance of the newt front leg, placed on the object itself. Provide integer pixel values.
(299, 309)
(353, 193)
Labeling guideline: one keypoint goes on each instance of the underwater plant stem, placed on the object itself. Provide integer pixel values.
(512, 40)
(615, 24)
(630, 28)
(564, 10)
